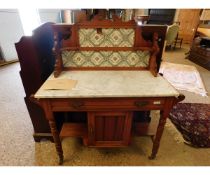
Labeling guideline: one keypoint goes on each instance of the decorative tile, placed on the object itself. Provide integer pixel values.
(105, 58)
(115, 59)
(97, 59)
(96, 39)
(78, 59)
(133, 59)
(108, 38)
(116, 38)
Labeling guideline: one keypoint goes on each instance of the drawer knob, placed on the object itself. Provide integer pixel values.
(141, 103)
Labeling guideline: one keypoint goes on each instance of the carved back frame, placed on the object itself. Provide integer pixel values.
(66, 38)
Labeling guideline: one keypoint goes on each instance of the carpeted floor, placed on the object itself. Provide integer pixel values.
(17, 146)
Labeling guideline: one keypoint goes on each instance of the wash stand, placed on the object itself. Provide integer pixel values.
(115, 70)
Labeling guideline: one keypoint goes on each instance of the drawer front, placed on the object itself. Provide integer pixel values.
(137, 104)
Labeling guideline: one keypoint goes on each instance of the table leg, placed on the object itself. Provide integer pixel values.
(57, 140)
(50, 117)
(162, 121)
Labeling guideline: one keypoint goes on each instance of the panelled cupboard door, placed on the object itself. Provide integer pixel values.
(189, 19)
(109, 129)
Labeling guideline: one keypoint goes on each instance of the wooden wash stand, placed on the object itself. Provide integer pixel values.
(116, 73)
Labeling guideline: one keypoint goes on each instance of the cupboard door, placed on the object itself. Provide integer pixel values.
(109, 129)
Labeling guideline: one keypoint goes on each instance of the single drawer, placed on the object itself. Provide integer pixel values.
(97, 104)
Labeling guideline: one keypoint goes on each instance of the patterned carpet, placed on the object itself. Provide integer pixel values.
(193, 121)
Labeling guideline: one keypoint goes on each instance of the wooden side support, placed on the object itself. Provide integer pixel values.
(56, 50)
(152, 61)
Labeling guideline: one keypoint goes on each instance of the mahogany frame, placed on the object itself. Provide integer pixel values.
(66, 37)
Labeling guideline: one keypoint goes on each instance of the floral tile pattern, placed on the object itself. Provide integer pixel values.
(108, 38)
(105, 58)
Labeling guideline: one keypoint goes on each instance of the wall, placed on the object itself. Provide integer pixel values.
(10, 32)
(11, 29)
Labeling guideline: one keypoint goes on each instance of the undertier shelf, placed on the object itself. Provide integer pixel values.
(74, 130)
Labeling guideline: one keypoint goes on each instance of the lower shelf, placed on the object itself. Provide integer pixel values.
(80, 130)
(73, 130)
(144, 128)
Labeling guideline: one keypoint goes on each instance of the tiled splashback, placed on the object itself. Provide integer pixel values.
(105, 58)
(107, 38)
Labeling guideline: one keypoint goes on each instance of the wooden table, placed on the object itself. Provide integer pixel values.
(109, 99)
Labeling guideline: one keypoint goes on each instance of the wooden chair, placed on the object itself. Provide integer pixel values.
(178, 40)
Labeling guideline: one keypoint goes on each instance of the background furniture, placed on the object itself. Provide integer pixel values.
(161, 16)
(172, 36)
(189, 20)
(200, 52)
(179, 41)
(37, 63)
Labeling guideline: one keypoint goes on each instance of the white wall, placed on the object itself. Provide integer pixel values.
(10, 32)
(11, 29)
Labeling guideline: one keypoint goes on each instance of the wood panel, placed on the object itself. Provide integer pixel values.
(37, 63)
(189, 19)
(109, 129)
(99, 121)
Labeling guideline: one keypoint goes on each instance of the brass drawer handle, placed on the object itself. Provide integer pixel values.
(77, 104)
(141, 103)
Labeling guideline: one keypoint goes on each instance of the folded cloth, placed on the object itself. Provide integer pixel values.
(183, 77)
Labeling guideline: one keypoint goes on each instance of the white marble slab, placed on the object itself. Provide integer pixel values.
(111, 84)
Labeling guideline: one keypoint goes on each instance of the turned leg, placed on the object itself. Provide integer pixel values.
(158, 136)
(50, 117)
(57, 140)
(163, 116)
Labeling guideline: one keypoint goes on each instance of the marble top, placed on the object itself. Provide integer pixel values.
(111, 84)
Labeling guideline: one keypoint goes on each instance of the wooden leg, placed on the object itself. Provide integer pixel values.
(50, 117)
(158, 135)
(163, 116)
(56, 140)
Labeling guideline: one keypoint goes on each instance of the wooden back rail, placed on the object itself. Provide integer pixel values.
(66, 38)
